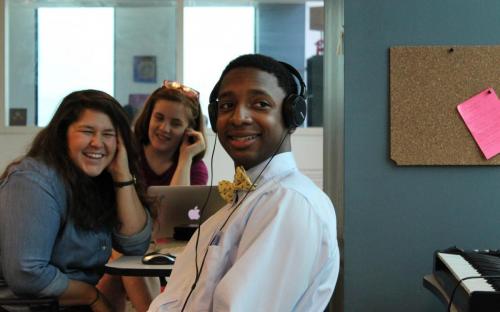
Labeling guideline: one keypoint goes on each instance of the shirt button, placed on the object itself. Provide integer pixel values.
(103, 247)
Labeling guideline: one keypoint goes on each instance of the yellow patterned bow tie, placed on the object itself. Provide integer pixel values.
(241, 183)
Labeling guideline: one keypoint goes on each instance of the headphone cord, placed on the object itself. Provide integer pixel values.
(204, 205)
(198, 272)
(450, 302)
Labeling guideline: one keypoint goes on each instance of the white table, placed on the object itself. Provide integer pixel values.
(133, 266)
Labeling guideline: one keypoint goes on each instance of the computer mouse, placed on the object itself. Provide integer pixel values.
(158, 258)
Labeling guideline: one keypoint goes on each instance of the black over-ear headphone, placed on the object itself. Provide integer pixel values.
(294, 105)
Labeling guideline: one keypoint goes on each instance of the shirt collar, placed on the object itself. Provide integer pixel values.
(280, 165)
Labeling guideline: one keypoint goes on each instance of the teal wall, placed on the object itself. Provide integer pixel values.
(396, 217)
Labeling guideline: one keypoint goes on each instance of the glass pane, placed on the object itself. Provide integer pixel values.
(146, 45)
(67, 39)
(142, 37)
(290, 31)
(145, 48)
(209, 43)
(314, 44)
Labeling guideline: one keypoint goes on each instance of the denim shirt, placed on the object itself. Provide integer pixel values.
(41, 249)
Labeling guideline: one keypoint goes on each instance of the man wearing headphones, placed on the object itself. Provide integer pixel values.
(273, 247)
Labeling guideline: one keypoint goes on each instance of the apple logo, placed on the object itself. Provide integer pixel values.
(194, 214)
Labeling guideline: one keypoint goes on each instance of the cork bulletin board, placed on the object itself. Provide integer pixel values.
(426, 85)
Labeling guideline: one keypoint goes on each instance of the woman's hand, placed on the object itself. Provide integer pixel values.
(101, 304)
(192, 144)
(118, 168)
(80, 293)
(132, 217)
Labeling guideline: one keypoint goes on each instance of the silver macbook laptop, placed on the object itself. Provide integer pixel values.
(182, 206)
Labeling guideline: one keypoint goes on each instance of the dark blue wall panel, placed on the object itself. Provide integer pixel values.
(281, 32)
(396, 217)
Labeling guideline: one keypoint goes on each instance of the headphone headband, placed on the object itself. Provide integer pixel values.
(295, 73)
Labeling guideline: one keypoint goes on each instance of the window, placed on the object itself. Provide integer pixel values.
(52, 49)
(212, 37)
(67, 39)
(192, 44)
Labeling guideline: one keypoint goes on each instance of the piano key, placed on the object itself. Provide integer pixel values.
(487, 264)
(461, 268)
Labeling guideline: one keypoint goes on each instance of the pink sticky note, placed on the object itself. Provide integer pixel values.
(481, 114)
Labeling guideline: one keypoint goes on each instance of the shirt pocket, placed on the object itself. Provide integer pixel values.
(211, 273)
(170, 300)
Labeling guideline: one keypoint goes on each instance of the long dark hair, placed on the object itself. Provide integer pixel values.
(91, 200)
(192, 105)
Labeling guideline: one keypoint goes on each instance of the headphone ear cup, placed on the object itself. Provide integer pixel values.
(212, 115)
(294, 111)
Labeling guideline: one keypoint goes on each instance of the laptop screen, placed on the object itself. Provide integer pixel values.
(182, 206)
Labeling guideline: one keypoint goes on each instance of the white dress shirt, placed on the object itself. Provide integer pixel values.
(277, 252)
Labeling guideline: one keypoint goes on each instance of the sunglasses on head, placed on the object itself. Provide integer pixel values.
(188, 91)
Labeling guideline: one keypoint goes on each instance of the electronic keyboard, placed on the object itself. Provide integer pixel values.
(479, 273)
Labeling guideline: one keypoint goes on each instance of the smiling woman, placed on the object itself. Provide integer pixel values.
(92, 142)
(170, 130)
(65, 189)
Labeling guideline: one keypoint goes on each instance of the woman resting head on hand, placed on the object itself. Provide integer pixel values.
(70, 200)
(171, 132)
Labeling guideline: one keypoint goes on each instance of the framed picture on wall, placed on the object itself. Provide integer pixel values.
(17, 116)
(145, 68)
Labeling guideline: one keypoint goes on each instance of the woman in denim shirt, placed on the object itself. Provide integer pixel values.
(69, 201)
